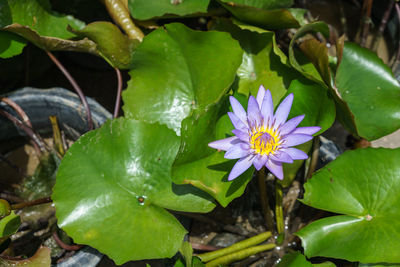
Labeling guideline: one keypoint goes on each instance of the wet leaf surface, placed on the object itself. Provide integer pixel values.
(364, 186)
(124, 184)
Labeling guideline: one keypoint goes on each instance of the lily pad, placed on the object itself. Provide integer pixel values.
(147, 9)
(118, 177)
(266, 14)
(260, 63)
(364, 186)
(175, 70)
(370, 92)
(294, 260)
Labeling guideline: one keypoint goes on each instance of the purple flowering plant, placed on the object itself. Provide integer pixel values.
(118, 184)
(262, 137)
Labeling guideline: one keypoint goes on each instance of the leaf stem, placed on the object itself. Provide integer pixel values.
(119, 12)
(278, 207)
(39, 201)
(209, 256)
(119, 91)
(227, 259)
(314, 158)
(382, 26)
(268, 214)
(366, 21)
(76, 87)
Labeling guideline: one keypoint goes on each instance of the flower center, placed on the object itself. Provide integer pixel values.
(264, 141)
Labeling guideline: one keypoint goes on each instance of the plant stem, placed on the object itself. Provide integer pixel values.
(268, 214)
(121, 16)
(314, 158)
(278, 207)
(119, 91)
(209, 256)
(58, 143)
(366, 20)
(225, 260)
(382, 26)
(63, 245)
(37, 144)
(396, 57)
(76, 87)
(39, 201)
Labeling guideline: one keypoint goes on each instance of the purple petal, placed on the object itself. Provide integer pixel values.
(283, 110)
(244, 136)
(259, 161)
(238, 109)
(295, 139)
(307, 130)
(236, 121)
(224, 144)
(281, 156)
(260, 95)
(295, 153)
(275, 168)
(253, 112)
(240, 167)
(290, 125)
(237, 151)
(267, 107)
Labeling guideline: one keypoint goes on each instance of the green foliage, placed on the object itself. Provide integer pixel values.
(176, 70)
(265, 14)
(295, 259)
(147, 9)
(9, 224)
(364, 186)
(369, 95)
(118, 176)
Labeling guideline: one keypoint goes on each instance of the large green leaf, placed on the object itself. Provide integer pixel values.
(175, 70)
(115, 47)
(364, 186)
(260, 64)
(34, 20)
(118, 177)
(146, 9)
(37, 15)
(265, 14)
(370, 92)
(10, 44)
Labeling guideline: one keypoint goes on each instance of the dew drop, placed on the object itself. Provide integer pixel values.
(347, 91)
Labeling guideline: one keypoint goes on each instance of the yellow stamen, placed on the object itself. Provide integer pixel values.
(264, 140)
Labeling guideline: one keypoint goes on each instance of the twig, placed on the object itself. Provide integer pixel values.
(366, 20)
(396, 57)
(63, 245)
(37, 144)
(31, 203)
(119, 91)
(382, 26)
(76, 87)
(58, 142)
(314, 158)
(264, 200)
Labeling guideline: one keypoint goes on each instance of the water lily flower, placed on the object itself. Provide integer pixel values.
(263, 138)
